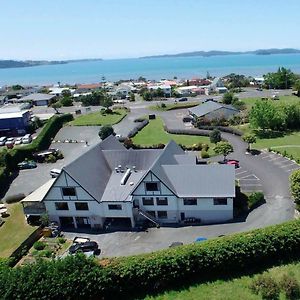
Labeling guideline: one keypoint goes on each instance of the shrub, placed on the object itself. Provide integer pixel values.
(61, 240)
(50, 159)
(163, 105)
(255, 199)
(215, 136)
(105, 131)
(39, 245)
(266, 286)
(14, 198)
(204, 154)
(290, 286)
(59, 155)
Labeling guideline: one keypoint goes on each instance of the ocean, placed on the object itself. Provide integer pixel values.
(150, 68)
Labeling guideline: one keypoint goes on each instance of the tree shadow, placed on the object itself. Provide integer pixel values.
(269, 134)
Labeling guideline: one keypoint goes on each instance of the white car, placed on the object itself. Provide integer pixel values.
(18, 141)
(55, 172)
(26, 139)
(10, 141)
(3, 140)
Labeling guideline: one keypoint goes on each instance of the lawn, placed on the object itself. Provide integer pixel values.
(235, 289)
(14, 231)
(282, 99)
(99, 119)
(154, 133)
(173, 106)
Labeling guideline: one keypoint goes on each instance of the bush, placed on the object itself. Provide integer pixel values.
(39, 245)
(290, 286)
(50, 159)
(204, 154)
(59, 155)
(255, 199)
(215, 136)
(106, 131)
(266, 286)
(61, 240)
(14, 198)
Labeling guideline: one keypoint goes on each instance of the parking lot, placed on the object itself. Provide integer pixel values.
(285, 164)
(248, 181)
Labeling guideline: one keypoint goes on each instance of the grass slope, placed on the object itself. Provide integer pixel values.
(154, 133)
(98, 119)
(235, 289)
(174, 106)
(14, 231)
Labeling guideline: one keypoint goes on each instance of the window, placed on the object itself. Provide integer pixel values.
(162, 214)
(190, 201)
(148, 201)
(115, 206)
(81, 206)
(152, 186)
(220, 201)
(151, 213)
(69, 191)
(162, 201)
(61, 206)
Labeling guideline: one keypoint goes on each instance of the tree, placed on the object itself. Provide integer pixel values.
(249, 138)
(215, 136)
(296, 87)
(147, 96)
(282, 79)
(66, 93)
(295, 186)
(106, 131)
(66, 101)
(132, 97)
(106, 101)
(56, 106)
(265, 115)
(229, 98)
(223, 148)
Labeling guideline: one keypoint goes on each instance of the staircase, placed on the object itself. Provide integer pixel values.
(148, 217)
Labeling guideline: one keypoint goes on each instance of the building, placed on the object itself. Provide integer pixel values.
(110, 182)
(38, 99)
(217, 86)
(212, 110)
(14, 120)
(167, 90)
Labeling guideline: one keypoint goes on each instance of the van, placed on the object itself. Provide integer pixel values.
(3, 140)
(26, 139)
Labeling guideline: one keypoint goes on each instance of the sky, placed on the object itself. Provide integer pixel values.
(109, 29)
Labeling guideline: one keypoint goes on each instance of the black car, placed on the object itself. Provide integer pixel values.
(89, 246)
(26, 165)
(183, 99)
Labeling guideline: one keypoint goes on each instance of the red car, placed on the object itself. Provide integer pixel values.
(233, 162)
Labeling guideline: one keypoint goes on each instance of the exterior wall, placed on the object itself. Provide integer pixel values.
(15, 123)
(221, 113)
(41, 103)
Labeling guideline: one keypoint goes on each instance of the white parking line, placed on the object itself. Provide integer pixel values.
(267, 156)
(250, 175)
(289, 165)
(272, 159)
(236, 173)
(250, 184)
(289, 170)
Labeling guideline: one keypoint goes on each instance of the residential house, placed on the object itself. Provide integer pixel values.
(14, 120)
(167, 90)
(212, 110)
(110, 182)
(217, 86)
(38, 99)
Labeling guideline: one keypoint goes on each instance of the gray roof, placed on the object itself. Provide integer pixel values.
(206, 180)
(209, 107)
(37, 97)
(95, 172)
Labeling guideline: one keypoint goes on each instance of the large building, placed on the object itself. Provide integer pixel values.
(112, 182)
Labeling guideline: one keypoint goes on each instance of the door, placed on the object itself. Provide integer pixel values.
(182, 216)
(66, 222)
(83, 222)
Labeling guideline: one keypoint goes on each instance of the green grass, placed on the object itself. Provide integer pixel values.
(98, 119)
(173, 106)
(282, 99)
(14, 231)
(154, 133)
(235, 289)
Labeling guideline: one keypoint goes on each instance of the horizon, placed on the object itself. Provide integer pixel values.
(116, 29)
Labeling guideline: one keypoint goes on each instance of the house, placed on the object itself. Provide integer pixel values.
(110, 182)
(38, 99)
(14, 120)
(3, 99)
(212, 110)
(57, 91)
(167, 90)
(217, 86)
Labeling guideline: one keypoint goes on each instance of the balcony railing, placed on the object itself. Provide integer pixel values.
(34, 208)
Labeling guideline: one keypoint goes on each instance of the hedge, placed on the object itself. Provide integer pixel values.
(81, 278)
(9, 159)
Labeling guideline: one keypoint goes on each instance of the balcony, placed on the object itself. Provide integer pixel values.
(34, 208)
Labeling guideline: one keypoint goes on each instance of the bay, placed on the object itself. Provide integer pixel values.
(151, 68)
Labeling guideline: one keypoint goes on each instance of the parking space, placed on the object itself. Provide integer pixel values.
(281, 162)
(248, 181)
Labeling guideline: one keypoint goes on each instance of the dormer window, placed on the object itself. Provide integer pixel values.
(69, 191)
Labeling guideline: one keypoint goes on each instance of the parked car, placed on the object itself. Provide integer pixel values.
(27, 139)
(84, 247)
(182, 99)
(55, 172)
(3, 140)
(10, 143)
(80, 240)
(233, 162)
(18, 141)
(41, 155)
(27, 165)
(175, 244)
(200, 239)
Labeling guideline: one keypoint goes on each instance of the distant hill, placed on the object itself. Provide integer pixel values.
(5, 64)
(220, 53)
